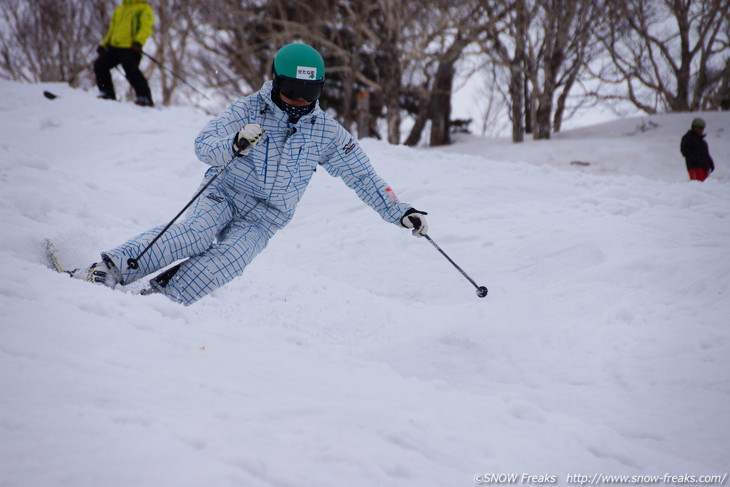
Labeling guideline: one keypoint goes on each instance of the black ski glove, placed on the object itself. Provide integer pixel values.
(416, 220)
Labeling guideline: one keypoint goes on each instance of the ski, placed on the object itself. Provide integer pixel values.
(52, 256)
(160, 281)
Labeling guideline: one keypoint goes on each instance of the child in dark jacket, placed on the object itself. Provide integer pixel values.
(696, 152)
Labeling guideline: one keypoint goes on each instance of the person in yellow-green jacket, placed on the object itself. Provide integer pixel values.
(130, 27)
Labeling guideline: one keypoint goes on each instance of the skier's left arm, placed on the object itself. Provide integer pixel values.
(346, 159)
(146, 24)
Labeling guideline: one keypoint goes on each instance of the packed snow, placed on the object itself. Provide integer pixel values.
(350, 352)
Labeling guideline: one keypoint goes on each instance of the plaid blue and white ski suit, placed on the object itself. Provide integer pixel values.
(233, 220)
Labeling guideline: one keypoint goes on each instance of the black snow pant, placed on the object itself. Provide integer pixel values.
(129, 60)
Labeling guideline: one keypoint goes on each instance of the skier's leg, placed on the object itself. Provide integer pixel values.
(198, 276)
(102, 70)
(130, 63)
(697, 174)
(194, 235)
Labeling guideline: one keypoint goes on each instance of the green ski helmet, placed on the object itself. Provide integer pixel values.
(299, 72)
(698, 122)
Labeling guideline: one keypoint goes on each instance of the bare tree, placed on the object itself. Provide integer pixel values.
(390, 79)
(721, 94)
(238, 40)
(581, 20)
(387, 59)
(175, 22)
(236, 44)
(365, 41)
(670, 55)
(493, 102)
(362, 41)
(448, 30)
(506, 45)
(558, 51)
(49, 40)
(545, 45)
(371, 63)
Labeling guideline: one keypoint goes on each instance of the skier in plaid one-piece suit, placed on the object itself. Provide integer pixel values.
(283, 136)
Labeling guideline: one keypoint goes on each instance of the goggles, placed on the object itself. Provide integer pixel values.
(298, 88)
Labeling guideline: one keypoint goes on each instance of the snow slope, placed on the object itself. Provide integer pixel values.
(351, 353)
(644, 146)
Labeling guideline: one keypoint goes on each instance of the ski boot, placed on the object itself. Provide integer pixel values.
(144, 101)
(160, 282)
(104, 272)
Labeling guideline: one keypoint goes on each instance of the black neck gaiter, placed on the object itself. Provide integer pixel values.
(295, 113)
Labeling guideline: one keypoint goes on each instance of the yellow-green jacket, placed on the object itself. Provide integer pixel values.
(132, 22)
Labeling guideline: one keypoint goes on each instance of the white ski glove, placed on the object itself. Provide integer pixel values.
(249, 135)
(416, 220)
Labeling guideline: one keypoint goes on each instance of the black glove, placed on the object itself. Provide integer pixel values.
(137, 47)
(416, 220)
(100, 50)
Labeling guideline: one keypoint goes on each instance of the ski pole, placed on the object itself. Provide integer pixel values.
(162, 66)
(133, 263)
(481, 290)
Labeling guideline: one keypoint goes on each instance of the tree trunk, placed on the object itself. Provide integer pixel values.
(529, 108)
(723, 94)
(560, 108)
(516, 91)
(423, 111)
(441, 104)
(680, 102)
(346, 113)
(517, 76)
(542, 116)
(363, 114)
(393, 117)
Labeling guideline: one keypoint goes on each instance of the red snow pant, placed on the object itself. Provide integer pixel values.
(698, 174)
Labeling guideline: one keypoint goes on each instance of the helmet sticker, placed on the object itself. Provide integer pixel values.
(306, 72)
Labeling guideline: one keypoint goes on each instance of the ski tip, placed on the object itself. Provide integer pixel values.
(49, 95)
(51, 254)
